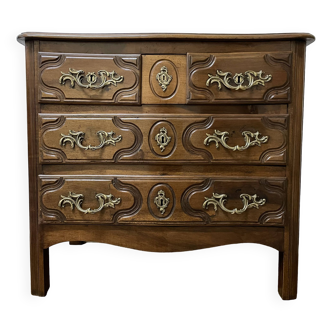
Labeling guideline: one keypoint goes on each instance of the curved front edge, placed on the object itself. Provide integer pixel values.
(164, 239)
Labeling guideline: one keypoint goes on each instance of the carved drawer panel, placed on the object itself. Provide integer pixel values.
(85, 78)
(164, 79)
(144, 139)
(161, 200)
(237, 200)
(254, 139)
(239, 77)
(66, 139)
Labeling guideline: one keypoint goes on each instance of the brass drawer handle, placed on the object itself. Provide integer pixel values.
(78, 76)
(78, 137)
(238, 79)
(220, 199)
(247, 138)
(77, 199)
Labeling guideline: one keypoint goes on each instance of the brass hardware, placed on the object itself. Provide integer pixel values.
(163, 78)
(78, 137)
(220, 199)
(78, 76)
(77, 199)
(225, 78)
(162, 139)
(161, 201)
(246, 134)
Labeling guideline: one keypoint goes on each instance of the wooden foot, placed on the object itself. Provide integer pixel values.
(76, 243)
(40, 272)
(287, 280)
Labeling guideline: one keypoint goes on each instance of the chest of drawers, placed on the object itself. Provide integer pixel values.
(165, 142)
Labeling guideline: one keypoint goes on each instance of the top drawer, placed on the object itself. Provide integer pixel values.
(195, 78)
(239, 77)
(82, 78)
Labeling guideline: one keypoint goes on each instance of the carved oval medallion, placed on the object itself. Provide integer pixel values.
(161, 201)
(162, 139)
(164, 79)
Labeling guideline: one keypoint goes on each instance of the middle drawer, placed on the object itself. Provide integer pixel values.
(254, 139)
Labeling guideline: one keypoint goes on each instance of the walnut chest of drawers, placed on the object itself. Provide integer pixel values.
(165, 142)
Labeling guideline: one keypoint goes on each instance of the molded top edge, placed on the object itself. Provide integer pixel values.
(309, 38)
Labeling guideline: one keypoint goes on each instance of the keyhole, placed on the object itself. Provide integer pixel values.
(238, 80)
(162, 139)
(161, 202)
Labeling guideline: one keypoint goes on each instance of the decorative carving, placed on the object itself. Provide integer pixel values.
(273, 152)
(108, 86)
(44, 149)
(135, 148)
(44, 64)
(131, 95)
(163, 78)
(218, 200)
(224, 78)
(274, 86)
(273, 191)
(195, 63)
(247, 138)
(203, 186)
(277, 154)
(138, 200)
(161, 201)
(280, 92)
(77, 199)
(162, 139)
(187, 134)
(278, 216)
(51, 213)
(78, 77)
(78, 137)
(58, 155)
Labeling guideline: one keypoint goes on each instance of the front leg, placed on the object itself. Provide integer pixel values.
(40, 271)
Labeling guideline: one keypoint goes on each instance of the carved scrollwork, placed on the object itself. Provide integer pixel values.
(247, 138)
(77, 137)
(218, 200)
(76, 200)
(252, 77)
(77, 76)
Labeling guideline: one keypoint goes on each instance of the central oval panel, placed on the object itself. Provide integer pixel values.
(166, 85)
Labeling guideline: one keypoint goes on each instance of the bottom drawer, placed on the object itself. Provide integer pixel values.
(162, 200)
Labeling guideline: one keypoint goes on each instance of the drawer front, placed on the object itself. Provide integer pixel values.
(164, 79)
(253, 139)
(239, 77)
(162, 200)
(82, 78)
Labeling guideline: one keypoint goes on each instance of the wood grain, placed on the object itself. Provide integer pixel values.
(163, 239)
(152, 93)
(185, 195)
(309, 38)
(201, 65)
(186, 171)
(187, 135)
(52, 66)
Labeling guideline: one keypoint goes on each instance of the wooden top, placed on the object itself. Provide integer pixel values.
(309, 38)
